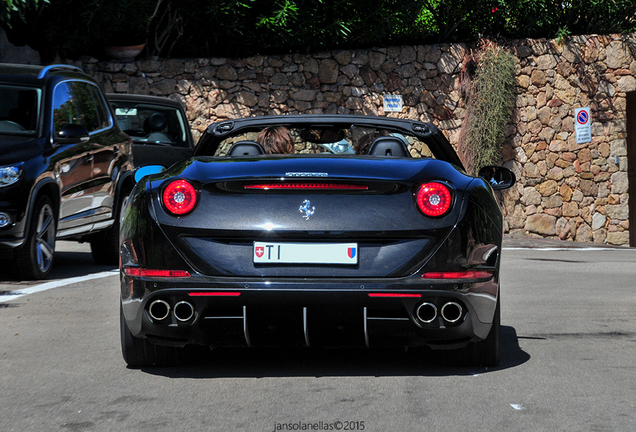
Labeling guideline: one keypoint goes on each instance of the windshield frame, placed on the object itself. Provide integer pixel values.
(12, 125)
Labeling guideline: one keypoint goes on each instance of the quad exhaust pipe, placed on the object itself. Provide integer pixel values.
(159, 310)
(427, 312)
(452, 312)
(183, 311)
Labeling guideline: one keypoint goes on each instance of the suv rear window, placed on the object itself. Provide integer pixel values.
(19, 109)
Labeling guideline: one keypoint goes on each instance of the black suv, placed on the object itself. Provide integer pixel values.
(65, 166)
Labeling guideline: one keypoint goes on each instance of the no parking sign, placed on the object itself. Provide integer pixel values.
(583, 125)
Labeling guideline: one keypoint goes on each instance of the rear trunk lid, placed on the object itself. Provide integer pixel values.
(361, 203)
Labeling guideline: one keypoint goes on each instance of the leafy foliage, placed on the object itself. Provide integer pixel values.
(490, 105)
(201, 28)
(15, 10)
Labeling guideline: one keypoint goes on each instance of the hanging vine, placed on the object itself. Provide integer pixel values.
(491, 93)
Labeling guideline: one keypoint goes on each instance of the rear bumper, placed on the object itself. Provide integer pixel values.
(372, 314)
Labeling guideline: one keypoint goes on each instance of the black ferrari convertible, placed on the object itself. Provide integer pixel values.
(313, 231)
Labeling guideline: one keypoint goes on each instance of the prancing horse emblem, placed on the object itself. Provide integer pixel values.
(306, 209)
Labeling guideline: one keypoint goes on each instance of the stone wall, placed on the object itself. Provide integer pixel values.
(565, 190)
(569, 190)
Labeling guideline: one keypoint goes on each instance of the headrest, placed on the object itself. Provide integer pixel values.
(389, 146)
(246, 148)
(156, 122)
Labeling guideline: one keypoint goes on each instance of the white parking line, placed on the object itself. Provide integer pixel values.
(55, 284)
(60, 283)
(570, 248)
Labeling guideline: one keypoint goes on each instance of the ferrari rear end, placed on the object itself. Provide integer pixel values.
(311, 251)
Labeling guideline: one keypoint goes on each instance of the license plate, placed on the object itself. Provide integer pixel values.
(305, 253)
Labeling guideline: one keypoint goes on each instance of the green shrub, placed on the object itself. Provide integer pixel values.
(239, 28)
(16, 10)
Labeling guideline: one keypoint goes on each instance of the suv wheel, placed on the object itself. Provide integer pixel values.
(35, 257)
(105, 245)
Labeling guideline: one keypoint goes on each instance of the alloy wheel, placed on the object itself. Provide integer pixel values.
(45, 238)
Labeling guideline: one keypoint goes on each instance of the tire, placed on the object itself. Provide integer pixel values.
(488, 352)
(132, 348)
(34, 260)
(138, 352)
(105, 245)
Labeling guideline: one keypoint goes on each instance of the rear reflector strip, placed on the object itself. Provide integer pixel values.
(395, 295)
(470, 274)
(305, 186)
(142, 272)
(214, 294)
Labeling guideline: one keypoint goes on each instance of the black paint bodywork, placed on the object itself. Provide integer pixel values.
(82, 179)
(315, 305)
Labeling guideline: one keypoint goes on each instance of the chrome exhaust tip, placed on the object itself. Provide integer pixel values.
(452, 312)
(183, 311)
(159, 310)
(426, 312)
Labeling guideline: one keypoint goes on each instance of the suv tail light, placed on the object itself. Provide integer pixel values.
(433, 199)
(180, 197)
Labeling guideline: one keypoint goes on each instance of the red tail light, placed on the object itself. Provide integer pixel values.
(434, 199)
(180, 197)
(394, 295)
(144, 272)
(469, 274)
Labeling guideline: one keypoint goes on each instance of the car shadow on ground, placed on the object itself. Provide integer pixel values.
(66, 264)
(289, 362)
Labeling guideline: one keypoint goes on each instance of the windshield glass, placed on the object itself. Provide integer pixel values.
(152, 124)
(361, 141)
(19, 109)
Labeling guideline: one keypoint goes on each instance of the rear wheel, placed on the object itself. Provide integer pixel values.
(140, 352)
(105, 245)
(132, 347)
(488, 351)
(34, 259)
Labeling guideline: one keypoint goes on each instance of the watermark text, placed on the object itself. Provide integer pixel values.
(337, 425)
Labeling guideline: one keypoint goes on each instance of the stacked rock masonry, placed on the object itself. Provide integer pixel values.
(565, 190)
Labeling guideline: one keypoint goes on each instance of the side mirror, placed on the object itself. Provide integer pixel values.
(146, 171)
(72, 133)
(498, 177)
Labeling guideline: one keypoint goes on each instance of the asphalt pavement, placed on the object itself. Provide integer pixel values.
(568, 349)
